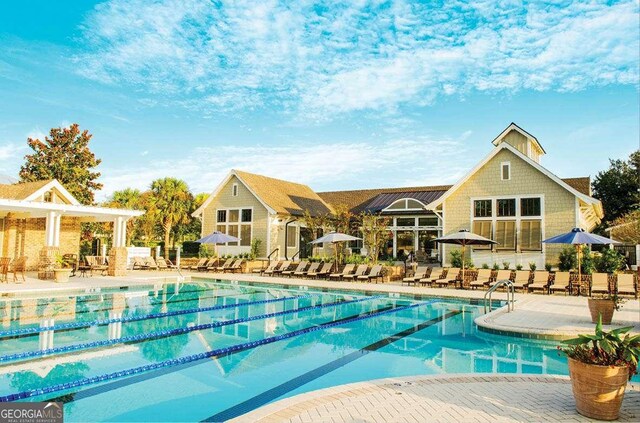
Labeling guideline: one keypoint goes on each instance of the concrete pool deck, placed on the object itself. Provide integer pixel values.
(442, 398)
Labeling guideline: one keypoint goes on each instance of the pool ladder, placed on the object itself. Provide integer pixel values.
(510, 289)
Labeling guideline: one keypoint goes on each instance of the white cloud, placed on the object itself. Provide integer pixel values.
(329, 166)
(322, 59)
(11, 151)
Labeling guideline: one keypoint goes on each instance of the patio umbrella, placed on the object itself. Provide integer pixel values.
(464, 238)
(217, 237)
(579, 237)
(334, 238)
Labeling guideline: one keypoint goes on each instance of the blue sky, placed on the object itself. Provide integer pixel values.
(363, 94)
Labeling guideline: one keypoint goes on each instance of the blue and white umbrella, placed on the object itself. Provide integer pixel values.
(217, 237)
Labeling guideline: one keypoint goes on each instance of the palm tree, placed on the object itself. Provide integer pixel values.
(128, 198)
(172, 200)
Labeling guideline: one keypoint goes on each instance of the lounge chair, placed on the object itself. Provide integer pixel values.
(283, 265)
(312, 268)
(162, 264)
(323, 272)
(521, 280)
(299, 268)
(483, 278)
(561, 282)
(450, 278)
(501, 275)
(374, 273)
(627, 284)
(211, 262)
(236, 266)
(4, 268)
(269, 269)
(94, 266)
(170, 264)
(198, 265)
(345, 272)
(360, 270)
(540, 281)
(19, 266)
(420, 273)
(599, 283)
(435, 274)
(151, 263)
(227, 263)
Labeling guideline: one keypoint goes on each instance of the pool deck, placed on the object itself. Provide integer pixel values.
(442, 398)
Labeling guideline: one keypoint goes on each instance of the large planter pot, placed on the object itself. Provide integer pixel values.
(598, 390)
(602, 307)
(61, 275)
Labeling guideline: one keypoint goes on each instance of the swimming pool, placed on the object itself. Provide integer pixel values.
(214, 350)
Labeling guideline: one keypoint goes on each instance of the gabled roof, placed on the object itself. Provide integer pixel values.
(576, 181)
(278, 196)
(32, 191)
(360, 200)
(513, 127)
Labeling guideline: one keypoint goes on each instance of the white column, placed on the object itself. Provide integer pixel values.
(178, 257)
(56, 230)
(123, 232)
(157, 252)
(50, 229)
(104, 249)
(117, 227)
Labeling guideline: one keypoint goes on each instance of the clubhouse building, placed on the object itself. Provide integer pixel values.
(508, 197)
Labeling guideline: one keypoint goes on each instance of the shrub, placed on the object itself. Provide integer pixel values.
(190, 248)
(255, 248)
(567, 259)
(505, 265)
(496, 266)
(205, 251)
(485, 266)
(532, 266)
(586, 261)
(548, 267)
(456, 259)
(518, 267)
(610, 261)
(354, 259)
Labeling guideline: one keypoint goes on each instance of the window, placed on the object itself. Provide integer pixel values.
(292, 237)
(413, 204)
(222, 216)
(48, 197)
(234, 215)
(234, 190)
(427, 221)
(246, 215)
(482, 228)
(222, 228)
(505, 171)
(530, 235)
(233, 231)
(482, 208)
(245, 235)
(506, 234)
(405, 221)
(506, 208)
(530, 207)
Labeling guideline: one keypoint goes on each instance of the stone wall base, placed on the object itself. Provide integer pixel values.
(47, 261)
(117, 261)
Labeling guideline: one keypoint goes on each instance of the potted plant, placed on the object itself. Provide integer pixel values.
(62, 271)
(603, 306)
(600, 366)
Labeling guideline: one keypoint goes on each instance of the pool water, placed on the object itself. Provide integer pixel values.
(214, 350)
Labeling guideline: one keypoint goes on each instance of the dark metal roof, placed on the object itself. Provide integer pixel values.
(384, 200)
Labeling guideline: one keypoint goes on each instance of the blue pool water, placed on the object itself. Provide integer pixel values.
(214, 350)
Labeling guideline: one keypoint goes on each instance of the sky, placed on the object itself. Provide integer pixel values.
(360, 94)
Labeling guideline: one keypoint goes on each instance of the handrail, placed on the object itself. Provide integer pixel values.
(275, 250)
(293, 258)
(411, 256)
(498, 284)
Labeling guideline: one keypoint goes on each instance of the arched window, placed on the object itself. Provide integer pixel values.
(406, 204)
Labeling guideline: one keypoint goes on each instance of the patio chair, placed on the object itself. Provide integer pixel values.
(600, 283)
(236, 266)
(151, 263)
(273, 265)
(436, 273)
(284, 267)
(521, 280)
(540, 281)
(138, 263)
(162, 263)
(627, 284)
(360, 270)
(4, 268)
(313, 267)
(19, 266)
(94, 266)
(323, 272)
(227, 263)
(211, 262)
(420, 273)
(71, 260)
(170, 264)
(348, 269)
(501, 275)
(482, 280)
(198, 265)
(300, 268)
(561, 282)
(374, 273)
(83, 266)
(450, 278)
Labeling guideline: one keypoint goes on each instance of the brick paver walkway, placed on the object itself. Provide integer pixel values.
(449, 398)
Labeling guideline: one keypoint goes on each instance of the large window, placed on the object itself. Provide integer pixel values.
(530, 207)
(506, 234)
(236, 222)
(292, 237)
(506, 208)
(530, 235)
(482, 208)
(483, 228)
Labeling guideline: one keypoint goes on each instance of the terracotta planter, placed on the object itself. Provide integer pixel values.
(602, 307)
(61, 275)
(598, 390)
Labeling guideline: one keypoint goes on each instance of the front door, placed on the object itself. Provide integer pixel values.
(306, 249)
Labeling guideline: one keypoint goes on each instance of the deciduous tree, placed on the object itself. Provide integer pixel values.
(619, 188)
(374, 233)
(64, 155)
